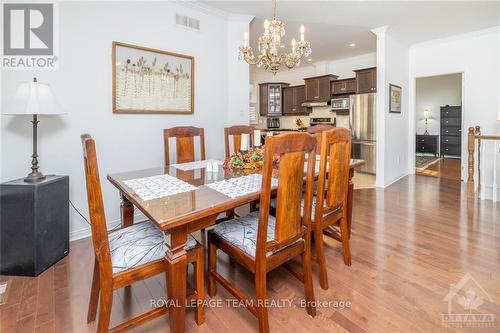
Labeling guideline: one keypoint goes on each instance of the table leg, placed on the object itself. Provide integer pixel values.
(350, 191)
(127, 212)
(176, 278)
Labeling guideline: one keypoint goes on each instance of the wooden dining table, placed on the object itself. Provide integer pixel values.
(183, 213)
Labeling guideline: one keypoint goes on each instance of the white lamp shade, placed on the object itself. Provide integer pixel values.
(34, 98)
(427, 115)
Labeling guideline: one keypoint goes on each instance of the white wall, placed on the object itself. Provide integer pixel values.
(83, 86)
(432, 93)
(392, 128)
(293, 76)
(477, 55)
(238, 71)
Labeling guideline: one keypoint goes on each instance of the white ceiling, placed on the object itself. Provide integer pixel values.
(332, 25)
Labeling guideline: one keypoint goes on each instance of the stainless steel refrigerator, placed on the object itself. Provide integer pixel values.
(362, 122)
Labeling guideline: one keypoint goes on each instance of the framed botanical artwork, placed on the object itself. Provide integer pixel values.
(394, 98)
(148, 80)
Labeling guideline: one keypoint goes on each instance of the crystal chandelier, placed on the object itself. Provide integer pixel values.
(269, 45)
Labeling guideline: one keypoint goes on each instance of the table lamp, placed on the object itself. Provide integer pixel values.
(34, 98)
(426, 115)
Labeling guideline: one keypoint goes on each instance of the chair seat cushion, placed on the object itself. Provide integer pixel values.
(242, 232)
(139, 244)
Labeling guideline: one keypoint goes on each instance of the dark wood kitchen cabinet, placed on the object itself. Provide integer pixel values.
(318, 87)
(271, 98)
(344, 86)
(293, 97)
(366, 79)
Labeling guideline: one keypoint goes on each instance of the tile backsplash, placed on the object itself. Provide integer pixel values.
(320, 111)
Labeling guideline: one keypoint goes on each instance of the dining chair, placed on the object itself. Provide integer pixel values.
(236, 132)
(330, 203)
(128, 255)
(184, 136)
(261, 242)
(319, 129)
(185, 152)
(316, 131)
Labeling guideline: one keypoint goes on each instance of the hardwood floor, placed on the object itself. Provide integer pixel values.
(448, 168)
(409, 243)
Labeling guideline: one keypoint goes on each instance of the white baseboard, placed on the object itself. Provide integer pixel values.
(488, 193)
(392, 181)
(85, 232)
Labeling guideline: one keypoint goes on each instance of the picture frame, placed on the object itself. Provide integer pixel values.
(151, 81)
(395, 95)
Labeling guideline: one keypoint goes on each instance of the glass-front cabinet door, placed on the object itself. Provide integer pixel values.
(274, 99)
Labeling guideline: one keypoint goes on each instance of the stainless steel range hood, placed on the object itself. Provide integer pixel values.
(314, 103)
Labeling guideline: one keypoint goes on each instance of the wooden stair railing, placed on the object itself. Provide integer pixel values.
(474, 138)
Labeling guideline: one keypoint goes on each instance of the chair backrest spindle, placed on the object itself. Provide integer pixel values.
(184, 136)
(236, 132)
(333, 176)
(289, 225)
(319, 129)
(96, 206)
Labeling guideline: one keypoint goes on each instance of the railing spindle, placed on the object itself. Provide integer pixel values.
(495, 171)
(474, 135)
(471, 145)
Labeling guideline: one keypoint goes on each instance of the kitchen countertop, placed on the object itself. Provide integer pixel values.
(281, 129)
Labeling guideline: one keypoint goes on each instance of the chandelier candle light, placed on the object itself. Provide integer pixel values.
(257, 139)
(244, 145)
(269, 45)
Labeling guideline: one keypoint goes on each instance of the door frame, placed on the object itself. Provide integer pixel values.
(413, 125)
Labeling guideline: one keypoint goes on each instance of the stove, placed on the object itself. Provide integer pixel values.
(322, 121)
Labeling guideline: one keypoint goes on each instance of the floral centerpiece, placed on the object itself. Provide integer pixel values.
(251, 160)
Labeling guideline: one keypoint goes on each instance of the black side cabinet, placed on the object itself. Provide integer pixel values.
(428, 144)
(451, 130)
(34, 225)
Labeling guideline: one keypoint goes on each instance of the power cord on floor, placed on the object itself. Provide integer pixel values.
(79, 213)
(87, 221)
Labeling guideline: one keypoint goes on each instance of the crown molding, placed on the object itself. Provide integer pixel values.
(462, 36)
(207, 9)
(240, 18)
(196, 5)
(380, 30)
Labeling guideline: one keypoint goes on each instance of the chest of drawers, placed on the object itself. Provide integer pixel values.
(428, 144)
(451, 131)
